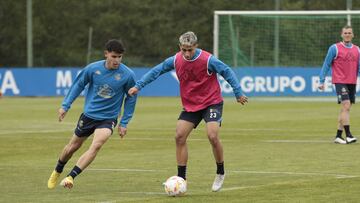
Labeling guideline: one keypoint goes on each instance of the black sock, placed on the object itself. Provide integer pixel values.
(182, 171)
(339, 133)
(220, 168)
(60, 166)
(75, 171)
(347, 130)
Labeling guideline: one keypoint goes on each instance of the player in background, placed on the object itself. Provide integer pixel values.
(343, 58)
(201, 98)
(108, 82)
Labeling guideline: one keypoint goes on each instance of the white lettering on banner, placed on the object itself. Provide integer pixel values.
(315, 81)
(301, 81)
(272, 84)
(63, 79)
(247, 84)
(9, 83)
(224, 85)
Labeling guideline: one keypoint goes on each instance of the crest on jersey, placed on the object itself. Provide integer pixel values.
(117, 76)
(97, 72)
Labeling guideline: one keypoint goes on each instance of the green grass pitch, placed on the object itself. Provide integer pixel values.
(275, 151)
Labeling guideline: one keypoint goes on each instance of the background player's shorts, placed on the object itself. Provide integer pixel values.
(345, 92)
(86, 126)
(211, 113)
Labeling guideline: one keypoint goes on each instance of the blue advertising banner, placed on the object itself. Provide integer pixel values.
(254, 82)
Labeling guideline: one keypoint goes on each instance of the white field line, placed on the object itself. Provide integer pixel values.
(15, 131)
(233, 171)
(31, 131)
(265, 185)
(7, 134)
(236, 171)
(336, 175)
(297, 173)
(294, 99)
(123, 170)
(298, 141)
(144, 193)
(254, 186)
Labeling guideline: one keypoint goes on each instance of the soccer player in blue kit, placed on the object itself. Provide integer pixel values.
(108, 82)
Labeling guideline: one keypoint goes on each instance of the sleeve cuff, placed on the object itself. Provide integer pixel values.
(123, 125)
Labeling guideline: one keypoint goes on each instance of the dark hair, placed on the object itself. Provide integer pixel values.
(115, 46)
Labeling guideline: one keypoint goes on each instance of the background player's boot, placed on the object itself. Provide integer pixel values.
(350, 139)
(339, 140)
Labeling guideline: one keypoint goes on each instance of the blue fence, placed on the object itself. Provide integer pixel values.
(254, 82)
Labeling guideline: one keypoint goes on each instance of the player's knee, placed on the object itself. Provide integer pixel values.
(346, 105)
(213, 138)
(95, 147)
(72, 147)
(180, 139)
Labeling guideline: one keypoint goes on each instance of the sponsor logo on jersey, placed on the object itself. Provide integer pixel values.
(105, 91)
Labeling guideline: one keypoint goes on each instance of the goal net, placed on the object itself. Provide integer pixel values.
(279, 38)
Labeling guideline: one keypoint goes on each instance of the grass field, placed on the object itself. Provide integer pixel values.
(275, 151)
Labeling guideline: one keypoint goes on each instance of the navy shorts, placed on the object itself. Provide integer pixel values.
(86, 126)
(345, 92)
(211, 113)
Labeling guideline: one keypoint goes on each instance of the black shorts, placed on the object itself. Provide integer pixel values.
(211, 113)
(86, 126)
(345, 92)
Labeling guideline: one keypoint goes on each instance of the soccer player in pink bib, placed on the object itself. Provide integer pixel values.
(343, 58)
(201, 98)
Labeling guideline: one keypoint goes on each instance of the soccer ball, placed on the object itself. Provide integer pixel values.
(175, 186)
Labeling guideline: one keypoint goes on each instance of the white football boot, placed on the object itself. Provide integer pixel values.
(218, 182)
(340, 140)
(350, 140)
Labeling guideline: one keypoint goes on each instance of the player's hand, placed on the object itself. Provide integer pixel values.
(132, 91)
(242, 100)
(122, 131)
(61, 114)
(321, 87)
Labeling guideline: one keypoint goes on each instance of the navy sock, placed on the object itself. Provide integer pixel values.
(60, 166)
(220, 168)
(75, 171)
(347, 130)
(339, 133)
(182, 171)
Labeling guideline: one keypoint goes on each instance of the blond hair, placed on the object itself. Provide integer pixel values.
(188, 38)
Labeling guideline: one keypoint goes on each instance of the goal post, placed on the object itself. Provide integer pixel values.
(279, 38)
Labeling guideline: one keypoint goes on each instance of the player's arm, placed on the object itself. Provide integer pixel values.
(153, 74)
(359, 62)
(76, 88)
(331, 54)
(129, 107)
(217, 66)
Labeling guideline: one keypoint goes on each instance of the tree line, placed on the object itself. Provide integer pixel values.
(148, 28)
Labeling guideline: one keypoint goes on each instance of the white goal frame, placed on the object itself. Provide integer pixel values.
(306, 13)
